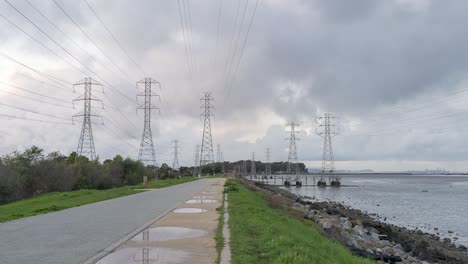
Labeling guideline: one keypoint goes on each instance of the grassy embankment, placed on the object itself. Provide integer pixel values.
(262, 234)
(57, 201)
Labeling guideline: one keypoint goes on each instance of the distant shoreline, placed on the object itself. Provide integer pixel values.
(377, 174)
(423, 246)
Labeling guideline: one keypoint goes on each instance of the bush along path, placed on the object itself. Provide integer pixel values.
(261, 233)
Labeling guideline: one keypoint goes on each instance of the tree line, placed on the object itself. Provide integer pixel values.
(32, 172)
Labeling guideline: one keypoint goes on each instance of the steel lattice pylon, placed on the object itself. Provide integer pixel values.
(293, 167)
(146, 153)
(206, 153)
(267, 164)
(253, 169)
(196, 158)
(327, 130)
(175, 162)
(86, 142)
(219, 157)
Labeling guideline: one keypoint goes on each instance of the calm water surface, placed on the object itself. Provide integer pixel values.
(428, 202)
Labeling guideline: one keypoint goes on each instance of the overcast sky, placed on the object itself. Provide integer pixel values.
(394, 72)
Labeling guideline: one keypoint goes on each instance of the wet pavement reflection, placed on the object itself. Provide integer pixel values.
(203, 197)
(146, 256)
(168, 233)
(189, 210)
(200, 201)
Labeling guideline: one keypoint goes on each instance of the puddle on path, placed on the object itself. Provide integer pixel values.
(146, 256)
(195, 201)
(168, 233)
(189, 210)
(203, 197)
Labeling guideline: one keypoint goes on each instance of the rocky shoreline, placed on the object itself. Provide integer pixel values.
(365, 235)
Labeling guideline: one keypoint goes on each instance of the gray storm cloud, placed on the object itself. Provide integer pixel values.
(301, 58)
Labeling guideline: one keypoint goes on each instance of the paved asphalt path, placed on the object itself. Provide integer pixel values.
(76, 234)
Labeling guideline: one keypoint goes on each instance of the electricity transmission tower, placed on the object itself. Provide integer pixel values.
(327, 130)
(86, 142)
(146, 153)
(293, 167)
(223, 169)
(197, 160)
(268, 164)
(175, 162)
(253, 170)
(218, 153)
(219, 157)
(206, 154)
(244, 168)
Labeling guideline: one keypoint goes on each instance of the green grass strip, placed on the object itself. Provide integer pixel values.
(164, 183)
(56, 201)
(261, 234)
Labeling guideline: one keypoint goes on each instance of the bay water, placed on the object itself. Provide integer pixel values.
(435, 204)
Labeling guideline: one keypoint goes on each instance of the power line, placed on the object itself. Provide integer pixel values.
(234, 51)
(66, 35)
(33, 111)
(36, 93)
(113, 106)
(231, 42)
(116, 125)
(421, 122)
(52, 39)
(217, 33)
(37, 100)
(243, 48)
(61, 87)
(191, 42)
(425, 104)
(35, 120)
(40, 43)
(111, 132)
(89, 38)
(65, 50)
(43, 74)
(187, 44)
(114, 38)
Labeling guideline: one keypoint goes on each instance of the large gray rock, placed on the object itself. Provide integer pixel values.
(389, 251)
(325, 224)
(345, 223)
(386, 242)
(398, 247)
(359, 230)
(374, 236)
(352, 242)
